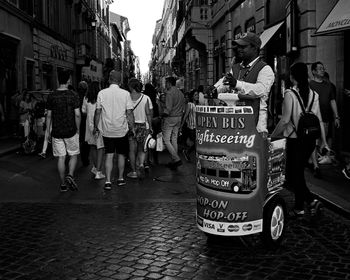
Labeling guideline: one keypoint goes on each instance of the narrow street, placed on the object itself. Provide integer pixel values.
(145, 230)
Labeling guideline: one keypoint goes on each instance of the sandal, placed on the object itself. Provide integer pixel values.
(71, 183)
(297, 213)
(315, 207)
(121, 182)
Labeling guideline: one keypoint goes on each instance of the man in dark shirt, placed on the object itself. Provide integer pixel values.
(63, 111)
(328, 105)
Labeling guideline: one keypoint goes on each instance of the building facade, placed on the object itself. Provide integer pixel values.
(41, 37)
(16, 49)
(290, 30)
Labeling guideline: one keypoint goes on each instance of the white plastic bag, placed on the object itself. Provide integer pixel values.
(160, 143)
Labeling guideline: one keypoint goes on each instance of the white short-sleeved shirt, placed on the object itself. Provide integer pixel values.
(140, 110)
(114, 102)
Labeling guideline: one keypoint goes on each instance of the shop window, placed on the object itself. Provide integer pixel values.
(203, 14)
(200, 3)
(275, 11)
(197, 78)
(216, 47)
(223, 63)
(47, 75)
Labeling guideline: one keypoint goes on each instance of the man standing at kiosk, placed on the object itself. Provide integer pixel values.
(252, 78)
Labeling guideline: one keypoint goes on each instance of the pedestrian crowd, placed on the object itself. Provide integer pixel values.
(115, 122)
(133, 123)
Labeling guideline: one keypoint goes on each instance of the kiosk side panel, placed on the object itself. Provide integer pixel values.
(231, 171)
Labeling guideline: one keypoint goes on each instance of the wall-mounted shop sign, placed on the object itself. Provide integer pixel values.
(237, 33)
(337, 20)
(58, 52)
(250, 25)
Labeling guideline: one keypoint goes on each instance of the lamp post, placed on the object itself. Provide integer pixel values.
(79, 31)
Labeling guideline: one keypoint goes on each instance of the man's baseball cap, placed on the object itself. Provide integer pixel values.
(248, 38)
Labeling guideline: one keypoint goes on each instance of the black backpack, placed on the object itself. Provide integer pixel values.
(309, 127)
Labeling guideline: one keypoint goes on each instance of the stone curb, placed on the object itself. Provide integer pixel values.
(333, 206)
(9, 151)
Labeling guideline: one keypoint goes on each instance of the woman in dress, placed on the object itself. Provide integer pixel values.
(143, 126)
(94, 140)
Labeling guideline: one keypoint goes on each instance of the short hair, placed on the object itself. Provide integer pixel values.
(83, 86)
(171, 80)
(314, 65)
(115, 77)
(63, 76)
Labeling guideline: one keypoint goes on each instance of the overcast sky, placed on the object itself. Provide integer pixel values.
(142, 16)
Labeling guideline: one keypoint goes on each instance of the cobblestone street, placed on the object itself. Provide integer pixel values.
(159, 240)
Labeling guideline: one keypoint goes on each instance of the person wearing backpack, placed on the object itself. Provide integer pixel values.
(301, 125)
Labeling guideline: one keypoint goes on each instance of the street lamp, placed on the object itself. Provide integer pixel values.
(92, 27)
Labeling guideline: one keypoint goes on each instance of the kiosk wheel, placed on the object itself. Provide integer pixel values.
(274, 222)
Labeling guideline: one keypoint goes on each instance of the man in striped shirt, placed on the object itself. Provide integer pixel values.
(188, 126)
(173, 111)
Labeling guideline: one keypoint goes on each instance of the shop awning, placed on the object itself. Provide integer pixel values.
(337, 20)
(268, 33)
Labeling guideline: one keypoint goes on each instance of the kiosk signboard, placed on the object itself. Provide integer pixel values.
(232, 168)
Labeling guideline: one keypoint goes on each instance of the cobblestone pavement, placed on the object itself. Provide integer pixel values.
(159, 240)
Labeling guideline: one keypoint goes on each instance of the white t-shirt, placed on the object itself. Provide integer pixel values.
(140, 110)
(114, 102)
(89, 109)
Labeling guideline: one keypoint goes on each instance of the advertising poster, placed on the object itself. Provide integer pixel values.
(231, 171)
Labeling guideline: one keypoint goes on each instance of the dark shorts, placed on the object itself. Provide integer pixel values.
(119, 145)
(189, 133)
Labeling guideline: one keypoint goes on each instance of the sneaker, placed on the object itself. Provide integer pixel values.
(94, 170)
(121, 182)
(63, 188)
(186, 155)
(72, 185)
(315, 206)
(142, 172)
(346, 173)
(108, 186)
(99, 175)
(43, 155)
(297, 213)
(325, 160)
(132, 175)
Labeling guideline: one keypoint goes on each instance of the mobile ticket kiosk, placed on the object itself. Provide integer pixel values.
(239, 175)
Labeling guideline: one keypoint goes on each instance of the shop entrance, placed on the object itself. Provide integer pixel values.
(345, 104)
(8, 75)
